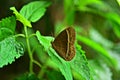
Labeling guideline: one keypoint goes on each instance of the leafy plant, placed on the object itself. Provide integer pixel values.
(103, 49)
(14, 49)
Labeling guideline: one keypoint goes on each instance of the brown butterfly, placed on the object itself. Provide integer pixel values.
(64, 44)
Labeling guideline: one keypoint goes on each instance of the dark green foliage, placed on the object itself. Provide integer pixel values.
(27, 77)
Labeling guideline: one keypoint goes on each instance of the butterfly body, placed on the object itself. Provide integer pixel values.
(64, 44)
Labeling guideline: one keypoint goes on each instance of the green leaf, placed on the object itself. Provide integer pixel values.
(69, 17)
(9, 22)
(118, 2)
(61, 64)
(116, 56)
(5, 32)
(9, 50)
(115, 21)
(113, 17)
(101, 70)
(54, 75)
(7, 27)
(98, 48)
(116, 29)
(80, 64)
(97, 37)
(44, 41)
(83, 5)
(34, 10)
(20, 17)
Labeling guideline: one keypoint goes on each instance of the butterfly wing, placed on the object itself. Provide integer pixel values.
(71, 41)
(64, 44)
(60, 44)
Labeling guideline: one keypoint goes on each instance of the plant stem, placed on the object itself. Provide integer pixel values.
(32, 35)
(29, 50)
(19, 35)
(37, 63)
(42, 71)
